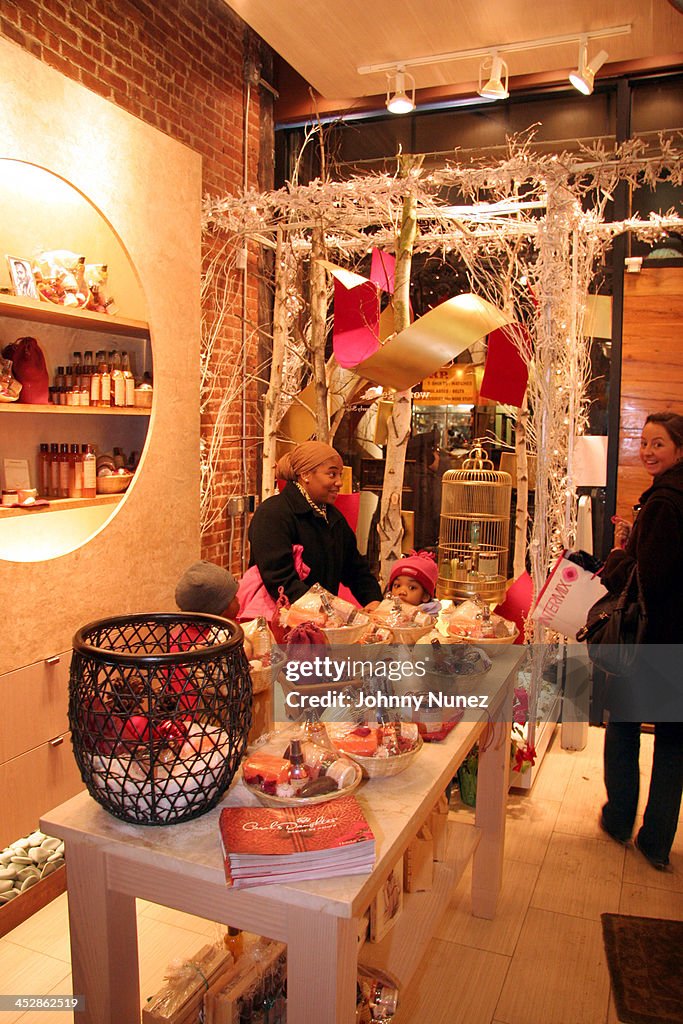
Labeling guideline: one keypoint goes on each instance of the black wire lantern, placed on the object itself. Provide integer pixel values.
(159, 710)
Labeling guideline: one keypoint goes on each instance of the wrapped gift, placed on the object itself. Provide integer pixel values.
(180, 1000)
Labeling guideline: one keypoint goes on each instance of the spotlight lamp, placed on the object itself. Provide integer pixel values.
(400, 102)
(584, 76)
(496, 88)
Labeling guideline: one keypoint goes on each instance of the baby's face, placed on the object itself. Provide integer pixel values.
(409, 590)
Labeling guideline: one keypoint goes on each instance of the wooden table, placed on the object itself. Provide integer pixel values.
(110, 863)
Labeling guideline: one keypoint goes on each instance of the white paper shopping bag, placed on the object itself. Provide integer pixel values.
(567, 595)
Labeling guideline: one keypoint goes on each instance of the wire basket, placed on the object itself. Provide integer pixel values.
(159, 711)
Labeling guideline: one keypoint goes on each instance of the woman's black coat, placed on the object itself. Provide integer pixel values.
(656, 542)
(329, 549)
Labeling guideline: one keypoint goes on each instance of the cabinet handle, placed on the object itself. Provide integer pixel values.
(56, 741)
(53, 661)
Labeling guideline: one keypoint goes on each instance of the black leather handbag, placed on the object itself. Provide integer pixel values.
(615, 626)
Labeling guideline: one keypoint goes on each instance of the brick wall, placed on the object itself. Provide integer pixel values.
(179, 66)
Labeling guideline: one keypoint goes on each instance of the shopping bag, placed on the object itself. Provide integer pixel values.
(567, 595)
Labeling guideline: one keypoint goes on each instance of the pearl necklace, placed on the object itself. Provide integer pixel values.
(320, 509)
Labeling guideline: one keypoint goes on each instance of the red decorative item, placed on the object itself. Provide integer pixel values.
(172, 732)
(30, 369)
(506, 373)
(306, 633)
(524, 755)
(434, 732)
(136, 728)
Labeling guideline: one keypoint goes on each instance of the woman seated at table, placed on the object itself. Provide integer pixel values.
(304, 513)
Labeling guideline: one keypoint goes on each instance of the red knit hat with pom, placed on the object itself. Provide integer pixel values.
(421, 567)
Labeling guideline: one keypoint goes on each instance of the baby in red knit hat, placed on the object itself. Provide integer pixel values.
(413, 580)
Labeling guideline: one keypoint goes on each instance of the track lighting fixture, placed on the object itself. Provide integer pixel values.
(401, 99)
(399, 102)
(497, 70)
(583, 78)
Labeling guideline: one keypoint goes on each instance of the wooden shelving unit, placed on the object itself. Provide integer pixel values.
(73, 410)
(61, 505)
(65, 316)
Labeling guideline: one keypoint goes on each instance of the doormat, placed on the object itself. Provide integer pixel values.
(645, 960)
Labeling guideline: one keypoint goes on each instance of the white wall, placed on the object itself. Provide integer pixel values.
(149, 189)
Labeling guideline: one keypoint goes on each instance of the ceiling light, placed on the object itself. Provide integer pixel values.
(582, 79)
(400, 102)
(495, 88)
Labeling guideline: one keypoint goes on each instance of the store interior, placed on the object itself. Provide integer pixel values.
(170, 202)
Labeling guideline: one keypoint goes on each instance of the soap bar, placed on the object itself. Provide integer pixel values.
(266, 767)
(363, 745)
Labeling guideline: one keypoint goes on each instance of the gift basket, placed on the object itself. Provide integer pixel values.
(292, 767)
(10, 388)
(339, 620)
(64, 278)
(159, 711)
(264, 662)
(473, 622)
(382, 749)
(406, 622)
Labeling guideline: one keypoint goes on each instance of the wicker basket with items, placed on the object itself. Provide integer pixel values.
(287, 768)
(406, 622)
(339, 621)
(264, 662)
(473, 622)
(381, 749)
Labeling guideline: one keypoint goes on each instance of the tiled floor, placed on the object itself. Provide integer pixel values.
(541, 961)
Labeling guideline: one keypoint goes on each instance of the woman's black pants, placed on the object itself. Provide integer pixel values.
(622, 781)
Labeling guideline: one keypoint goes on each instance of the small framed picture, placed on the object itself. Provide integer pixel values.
(23, 280)
(387, 904)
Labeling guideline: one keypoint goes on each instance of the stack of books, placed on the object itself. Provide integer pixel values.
(262, 845)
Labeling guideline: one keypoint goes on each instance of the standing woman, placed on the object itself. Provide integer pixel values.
(304, 513)
(656, 544)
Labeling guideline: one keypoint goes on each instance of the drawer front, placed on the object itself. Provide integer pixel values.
(35, 783)
(35, 701)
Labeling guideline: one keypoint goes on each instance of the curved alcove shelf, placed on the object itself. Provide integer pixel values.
(42, 210)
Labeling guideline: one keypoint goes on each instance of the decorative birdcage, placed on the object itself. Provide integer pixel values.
(159, 710)
(474, 530)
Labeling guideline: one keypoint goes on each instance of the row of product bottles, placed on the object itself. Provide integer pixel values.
(70, 470)
(103, 381)
(67, 471)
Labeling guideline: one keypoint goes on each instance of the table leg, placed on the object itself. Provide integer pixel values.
(322, 964)
(492, 789)
(104, 941)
